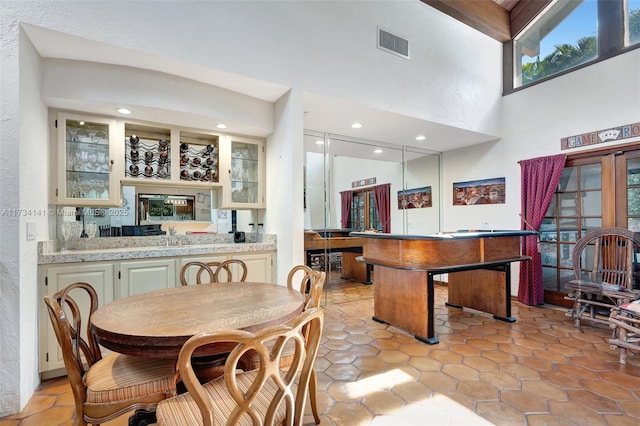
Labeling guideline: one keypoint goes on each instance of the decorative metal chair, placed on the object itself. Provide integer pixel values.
(267, 395)
(604, 263)
(103, 388)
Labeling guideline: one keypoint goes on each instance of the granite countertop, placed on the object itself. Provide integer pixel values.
(121, 248)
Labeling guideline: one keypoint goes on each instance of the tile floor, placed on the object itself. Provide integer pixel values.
(539, 370)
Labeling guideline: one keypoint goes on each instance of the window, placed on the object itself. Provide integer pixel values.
(364, 214)
(632, 22)
(570, 33)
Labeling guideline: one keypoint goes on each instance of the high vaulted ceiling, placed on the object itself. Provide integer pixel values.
(499, 19)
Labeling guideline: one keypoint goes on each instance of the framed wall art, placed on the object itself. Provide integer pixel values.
(486, 191)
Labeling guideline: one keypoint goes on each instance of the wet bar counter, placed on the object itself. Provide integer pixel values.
(323, 241)
(478, 264)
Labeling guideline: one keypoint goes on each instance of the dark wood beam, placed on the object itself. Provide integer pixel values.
(524, 12)
(483, 15)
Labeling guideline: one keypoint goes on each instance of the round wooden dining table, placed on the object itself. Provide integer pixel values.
(156, 324)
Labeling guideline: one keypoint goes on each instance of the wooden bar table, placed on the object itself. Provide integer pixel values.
(156, 324)
(478, 264)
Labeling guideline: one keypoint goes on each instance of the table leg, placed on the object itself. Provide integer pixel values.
(507, 295)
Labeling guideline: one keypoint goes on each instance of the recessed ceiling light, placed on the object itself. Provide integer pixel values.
(356, 125)
(124, 111)
(221, 126)
(81, 123)
(420, 138)
(319, 142)
(378, 151)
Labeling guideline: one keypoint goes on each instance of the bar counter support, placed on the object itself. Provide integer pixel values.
(479, 268)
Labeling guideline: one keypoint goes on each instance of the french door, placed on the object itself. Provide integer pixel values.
(598, 189)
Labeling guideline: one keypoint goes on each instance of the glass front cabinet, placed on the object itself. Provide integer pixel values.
(86, 165)
(96, 155)
(244, 173)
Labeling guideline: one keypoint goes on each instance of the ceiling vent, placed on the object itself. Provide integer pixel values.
(393, 43)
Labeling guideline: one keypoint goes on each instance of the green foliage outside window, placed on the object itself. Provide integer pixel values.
(567, 56)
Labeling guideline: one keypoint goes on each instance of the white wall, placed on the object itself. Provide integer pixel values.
(419, 173)
(24, 171)
(284, 213)
(598, 97)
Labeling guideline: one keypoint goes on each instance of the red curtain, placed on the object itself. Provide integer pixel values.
(382, 196)
(346, 197)
(540, 177)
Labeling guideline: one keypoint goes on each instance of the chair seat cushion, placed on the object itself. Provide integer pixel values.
(119, 377)
(183, 410)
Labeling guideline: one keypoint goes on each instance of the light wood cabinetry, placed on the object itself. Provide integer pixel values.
(88, 161)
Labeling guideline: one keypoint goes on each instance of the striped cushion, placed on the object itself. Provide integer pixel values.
(183, 410)
(121, 377)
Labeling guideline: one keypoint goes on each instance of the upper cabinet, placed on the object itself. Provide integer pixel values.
(95, 156)
(243, 173)
(88, 164)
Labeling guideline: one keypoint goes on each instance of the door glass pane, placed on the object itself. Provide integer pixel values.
(633, 201)
(591, 203)
(590, 224)
(569, 179)
(568, 206)
(633, 193)
(590, 176)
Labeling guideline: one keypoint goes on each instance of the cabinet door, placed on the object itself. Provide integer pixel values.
(259, 266)
(87, 162)
(142, 276)
(245, 173)
(99, 275)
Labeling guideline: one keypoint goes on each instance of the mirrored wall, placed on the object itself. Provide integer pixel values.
(342, 170)
(335, 163)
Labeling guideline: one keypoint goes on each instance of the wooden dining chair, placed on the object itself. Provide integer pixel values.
(604, 265)
(103, 387)
(231, 270)
(266, 396)
(204, 272)
(310, 283)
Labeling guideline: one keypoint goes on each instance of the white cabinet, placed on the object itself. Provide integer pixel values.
(141, 276)
(88, 162)
(55, 277)
(260, 266)
(242, 173)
